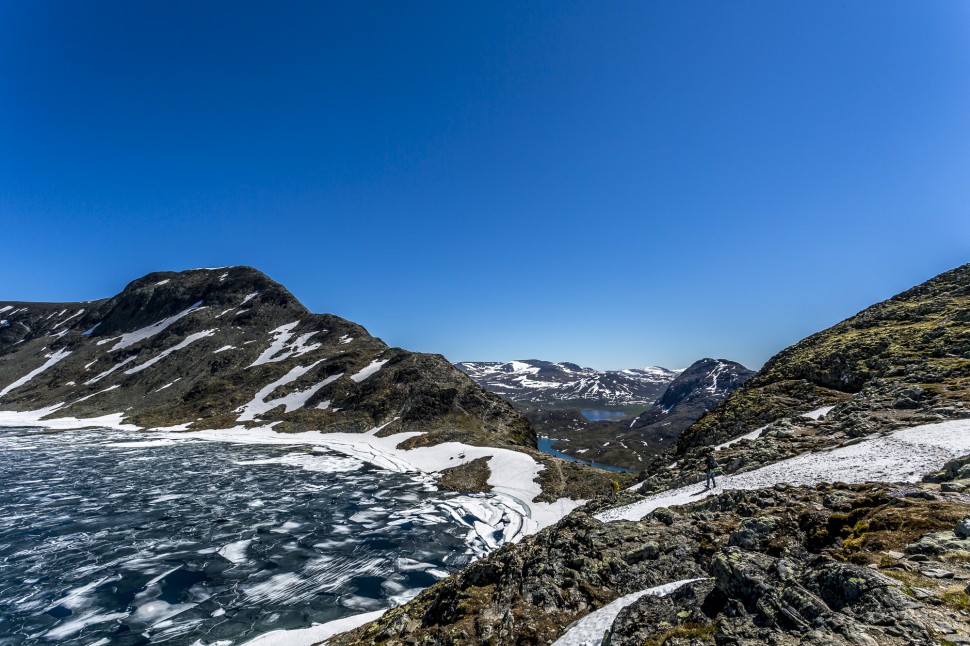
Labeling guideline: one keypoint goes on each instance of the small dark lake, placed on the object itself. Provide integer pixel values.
(545, 445)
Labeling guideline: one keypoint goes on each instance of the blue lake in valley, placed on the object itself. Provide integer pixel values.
(602, 415)
(545, 445)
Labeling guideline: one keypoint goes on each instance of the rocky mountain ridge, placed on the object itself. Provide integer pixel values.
(225, 347)
(547, 384)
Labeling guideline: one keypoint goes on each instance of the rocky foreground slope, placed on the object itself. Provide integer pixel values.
(231, 349)
(867, 563)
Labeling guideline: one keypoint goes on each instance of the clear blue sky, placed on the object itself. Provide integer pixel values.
(613, 183)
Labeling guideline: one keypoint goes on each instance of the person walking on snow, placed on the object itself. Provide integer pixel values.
(712, 468)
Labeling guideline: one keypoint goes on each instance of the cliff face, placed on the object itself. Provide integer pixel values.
(225, 347)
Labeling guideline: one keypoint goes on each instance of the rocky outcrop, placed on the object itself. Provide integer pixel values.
(823, 565)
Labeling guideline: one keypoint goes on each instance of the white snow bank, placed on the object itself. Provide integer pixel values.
(87, 397)
(589, 630)
(96, 379)
(292, 401)
(818, 413)
(753, 435)
(51, 360)
(281, 348)
(314, 634)
(33, 418)
(186, 342)
(131, 338)
(902, 456)
(368, 370)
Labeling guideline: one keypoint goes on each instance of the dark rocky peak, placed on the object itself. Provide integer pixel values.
(160, 295)
(706, 378)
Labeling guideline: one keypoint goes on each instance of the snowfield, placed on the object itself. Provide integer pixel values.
(902, 456)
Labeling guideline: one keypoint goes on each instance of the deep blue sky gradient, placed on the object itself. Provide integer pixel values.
(616, 184)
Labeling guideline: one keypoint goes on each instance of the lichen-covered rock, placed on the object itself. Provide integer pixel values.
(786, 565)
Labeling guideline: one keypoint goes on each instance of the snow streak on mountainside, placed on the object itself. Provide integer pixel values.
(544, 383)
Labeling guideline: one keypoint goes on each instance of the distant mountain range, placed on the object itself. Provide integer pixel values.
(546, 384)
(631, 443)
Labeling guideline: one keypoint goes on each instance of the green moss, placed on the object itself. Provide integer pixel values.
(693, 631)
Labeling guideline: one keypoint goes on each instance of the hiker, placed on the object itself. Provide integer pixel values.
(712, 468)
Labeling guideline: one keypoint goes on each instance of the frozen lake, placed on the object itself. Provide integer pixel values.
(112, 537)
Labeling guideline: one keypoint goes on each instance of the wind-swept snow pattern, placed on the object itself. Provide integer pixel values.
(189, 340)
(902, 456)
(281, 348)
(589, 630)
(51, 360)
(131, 338)
(368, 370)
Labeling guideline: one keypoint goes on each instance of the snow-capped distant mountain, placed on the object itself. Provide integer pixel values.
(545, 383)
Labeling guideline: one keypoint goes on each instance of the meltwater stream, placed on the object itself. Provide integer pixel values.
(106, 538)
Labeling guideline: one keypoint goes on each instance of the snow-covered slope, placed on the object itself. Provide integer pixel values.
(544, 383)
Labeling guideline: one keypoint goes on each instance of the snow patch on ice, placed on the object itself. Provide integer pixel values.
(314, 634)
(512, 473)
